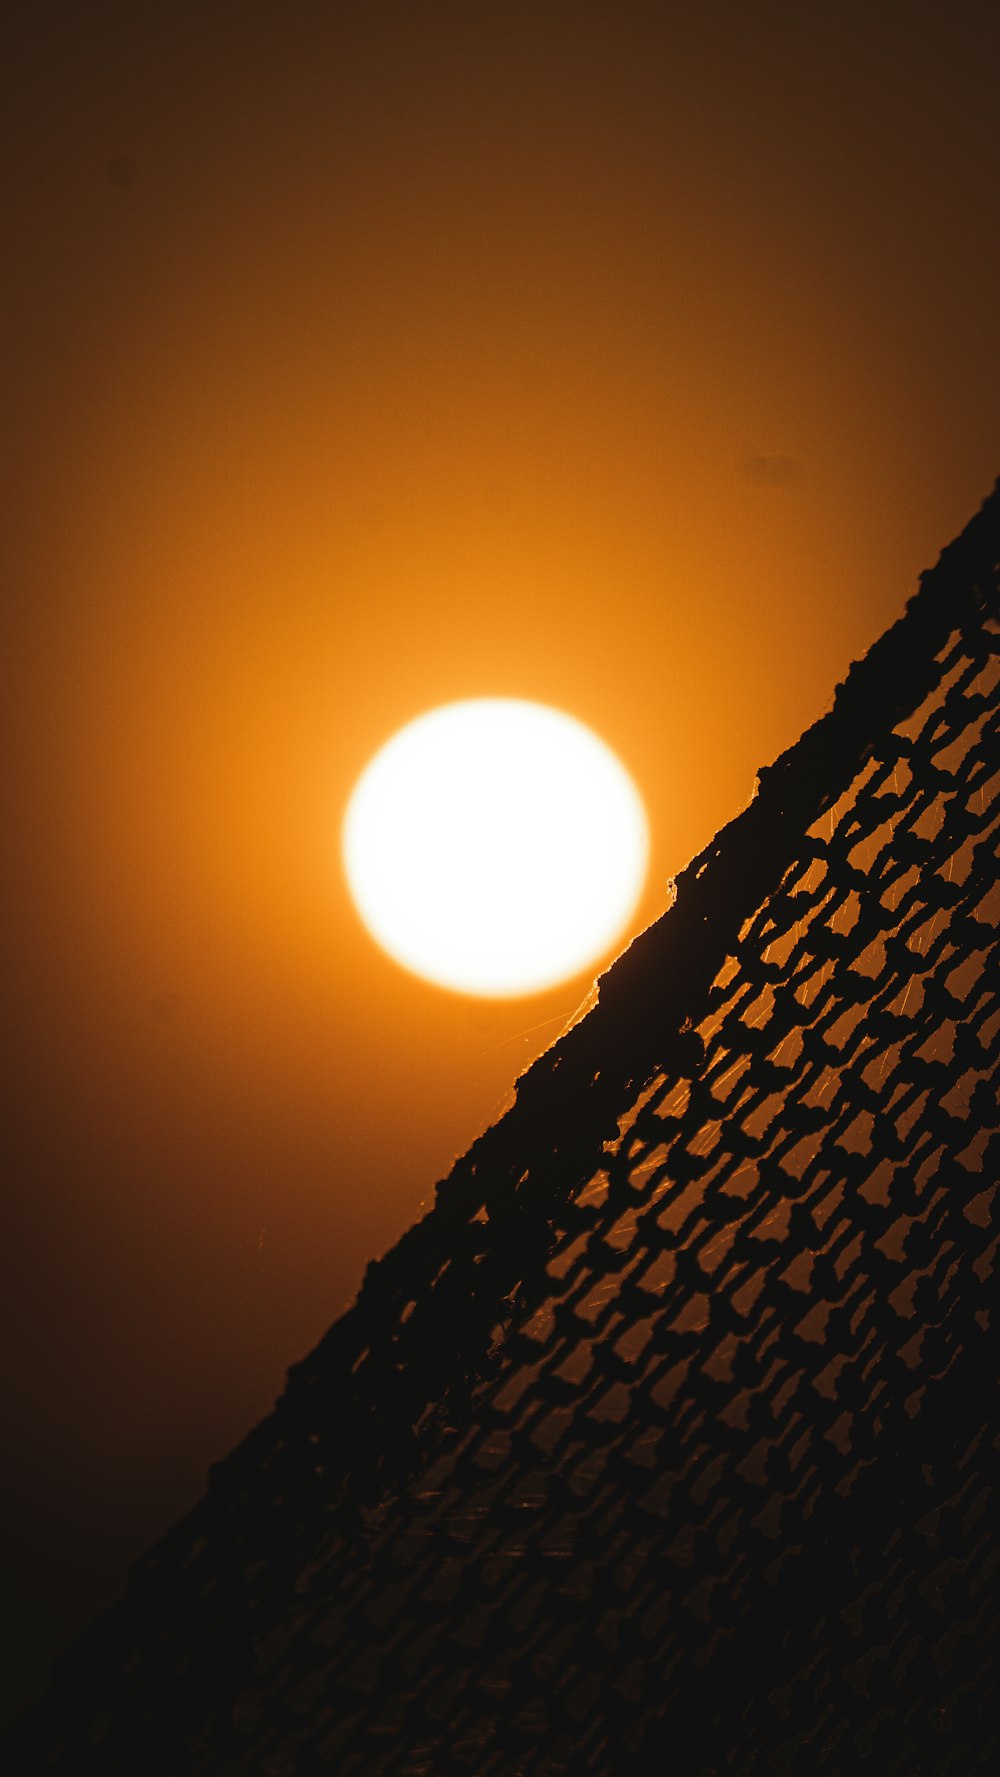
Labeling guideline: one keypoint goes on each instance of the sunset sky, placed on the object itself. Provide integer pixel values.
(357, 358)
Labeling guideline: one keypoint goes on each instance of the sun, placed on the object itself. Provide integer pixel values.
(495, 846)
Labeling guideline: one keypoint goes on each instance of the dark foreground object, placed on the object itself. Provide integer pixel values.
(664, 1442)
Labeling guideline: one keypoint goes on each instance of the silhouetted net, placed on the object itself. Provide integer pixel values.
(665, 1440)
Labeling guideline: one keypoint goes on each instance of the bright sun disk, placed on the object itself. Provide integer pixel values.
(495, 846)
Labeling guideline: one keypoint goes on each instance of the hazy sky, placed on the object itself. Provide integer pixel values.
(358, 357)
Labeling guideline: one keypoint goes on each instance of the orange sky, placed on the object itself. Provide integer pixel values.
(634, 358)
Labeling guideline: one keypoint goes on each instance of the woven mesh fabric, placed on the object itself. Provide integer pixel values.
(666, 1439)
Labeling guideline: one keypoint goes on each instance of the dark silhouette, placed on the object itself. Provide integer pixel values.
(663, 1441)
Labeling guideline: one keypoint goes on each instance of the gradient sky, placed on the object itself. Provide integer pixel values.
(358, 357)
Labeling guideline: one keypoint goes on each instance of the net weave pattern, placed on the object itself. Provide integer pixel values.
(667, 1437)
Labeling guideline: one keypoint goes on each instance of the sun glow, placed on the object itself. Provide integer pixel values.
(495, 846)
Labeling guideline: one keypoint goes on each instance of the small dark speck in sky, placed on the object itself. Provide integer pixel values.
(771, 471)
(164, 1006)
(121, 171)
